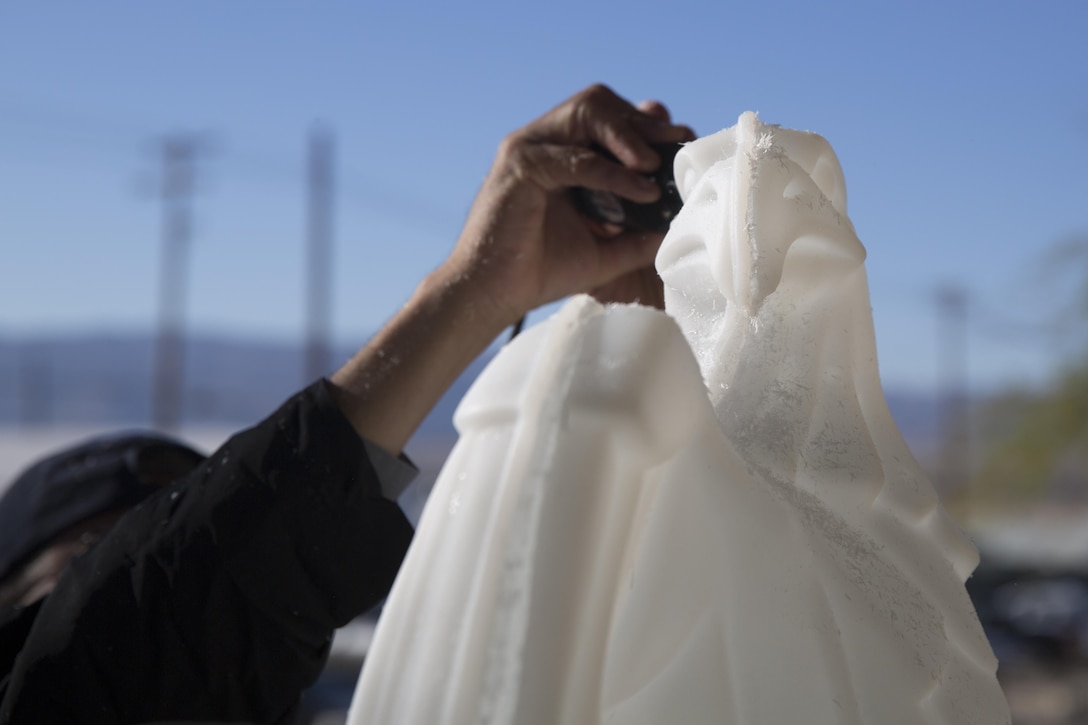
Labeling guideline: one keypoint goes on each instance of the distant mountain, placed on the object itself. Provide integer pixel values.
(97, 379)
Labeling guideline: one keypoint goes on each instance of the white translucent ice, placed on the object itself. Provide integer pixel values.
(701, 517)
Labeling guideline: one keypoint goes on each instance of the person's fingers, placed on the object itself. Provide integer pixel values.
(603, 230)
(657, 114)
(627, 252)
(657, 130)
(597, 115)
(628, 132)
(656, 109)
(553, 167)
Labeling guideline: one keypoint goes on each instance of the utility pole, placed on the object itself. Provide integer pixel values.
(178, 158)
(955, 422)
(319, 253)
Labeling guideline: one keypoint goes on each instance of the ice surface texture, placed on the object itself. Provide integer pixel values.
(701, 517)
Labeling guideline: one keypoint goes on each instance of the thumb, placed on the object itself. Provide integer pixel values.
(627, 252)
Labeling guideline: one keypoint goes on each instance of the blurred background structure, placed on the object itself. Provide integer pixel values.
(963, 132)
(179, 155)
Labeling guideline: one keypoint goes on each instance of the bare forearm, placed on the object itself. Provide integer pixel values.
(390, 385)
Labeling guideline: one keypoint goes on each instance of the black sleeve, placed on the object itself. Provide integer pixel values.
(217, 598)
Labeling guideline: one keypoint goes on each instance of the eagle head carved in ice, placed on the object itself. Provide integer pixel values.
(789, 186)
(764, 209)
(704, 516)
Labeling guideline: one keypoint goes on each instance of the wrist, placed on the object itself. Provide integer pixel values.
(391, 384)
(471, 298)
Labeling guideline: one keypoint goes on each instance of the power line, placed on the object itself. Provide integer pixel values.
(96, 132)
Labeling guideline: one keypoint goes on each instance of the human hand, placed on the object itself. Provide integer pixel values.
(525, 243)
(642, 285)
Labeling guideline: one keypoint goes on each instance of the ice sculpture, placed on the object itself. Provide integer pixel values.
(701, 517)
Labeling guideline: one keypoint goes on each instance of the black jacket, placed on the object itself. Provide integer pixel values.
(216, 599)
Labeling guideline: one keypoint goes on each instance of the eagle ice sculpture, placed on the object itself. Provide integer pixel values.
(707, 516)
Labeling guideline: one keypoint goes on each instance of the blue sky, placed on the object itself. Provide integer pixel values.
(962, 129)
